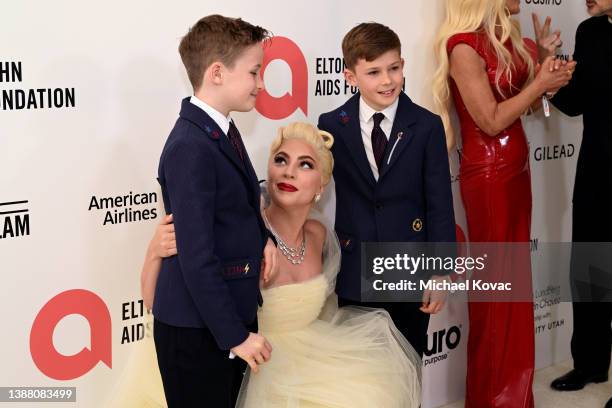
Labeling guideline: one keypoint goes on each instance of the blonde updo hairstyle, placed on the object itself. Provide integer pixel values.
(320, 140)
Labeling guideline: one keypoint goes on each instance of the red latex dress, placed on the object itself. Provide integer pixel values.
(496, 192)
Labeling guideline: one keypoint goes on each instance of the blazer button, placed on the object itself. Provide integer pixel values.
(379, 206)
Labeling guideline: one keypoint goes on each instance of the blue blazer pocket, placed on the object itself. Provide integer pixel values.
(347, 241)
(240, 269)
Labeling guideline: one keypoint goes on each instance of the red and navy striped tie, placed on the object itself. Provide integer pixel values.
(234, 137)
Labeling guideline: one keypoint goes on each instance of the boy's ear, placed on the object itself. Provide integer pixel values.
(401, 59)
(215, 73)
(350, 77)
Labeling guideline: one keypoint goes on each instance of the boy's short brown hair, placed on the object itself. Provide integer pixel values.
(368, 41)
(216, 38)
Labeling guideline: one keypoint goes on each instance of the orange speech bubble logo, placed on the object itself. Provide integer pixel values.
(279, 108)
(46, 357)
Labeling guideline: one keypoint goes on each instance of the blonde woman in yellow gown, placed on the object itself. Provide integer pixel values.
(322, 355)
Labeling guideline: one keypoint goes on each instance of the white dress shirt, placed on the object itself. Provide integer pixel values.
(366, 122)
(221, 121)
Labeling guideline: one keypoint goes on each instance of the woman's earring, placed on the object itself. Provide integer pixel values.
(317, 198)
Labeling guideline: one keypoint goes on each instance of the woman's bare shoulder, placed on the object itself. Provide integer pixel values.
(316, 229)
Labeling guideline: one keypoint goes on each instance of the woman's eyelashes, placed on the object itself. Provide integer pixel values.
(281, 160)
(306, 164)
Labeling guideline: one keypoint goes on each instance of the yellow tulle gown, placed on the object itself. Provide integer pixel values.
(140, 384)
(356, 359)
(323, 356)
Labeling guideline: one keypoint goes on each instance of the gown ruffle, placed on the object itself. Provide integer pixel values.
(349, 357)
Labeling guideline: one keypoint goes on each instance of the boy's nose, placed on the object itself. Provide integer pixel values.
(260, 83)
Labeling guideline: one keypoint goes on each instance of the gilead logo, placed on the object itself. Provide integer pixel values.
(46, 357)
(279, 108)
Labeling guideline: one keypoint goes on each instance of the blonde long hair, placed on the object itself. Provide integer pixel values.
(466, 16)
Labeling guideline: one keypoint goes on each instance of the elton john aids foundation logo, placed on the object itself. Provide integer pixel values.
(72, 302)
(282, 48)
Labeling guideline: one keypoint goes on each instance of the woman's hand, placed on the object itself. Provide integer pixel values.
(554, 74)
(269, 266)
(163, 243)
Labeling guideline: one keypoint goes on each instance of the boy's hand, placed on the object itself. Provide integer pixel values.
(163, 243)
(433, 300)
(255, 350)
(269, 267)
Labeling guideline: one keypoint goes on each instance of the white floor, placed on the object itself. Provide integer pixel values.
(592, 396)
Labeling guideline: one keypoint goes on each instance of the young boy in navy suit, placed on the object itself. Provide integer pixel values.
(391, 171)
(206, 298)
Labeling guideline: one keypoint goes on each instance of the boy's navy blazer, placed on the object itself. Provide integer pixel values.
(412, 199)
(220, 236)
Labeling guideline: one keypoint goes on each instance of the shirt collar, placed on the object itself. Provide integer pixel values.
(366, 112)
(222, 121)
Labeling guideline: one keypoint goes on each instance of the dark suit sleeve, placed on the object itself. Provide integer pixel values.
(191, 183)
(570, 98)
(440, 215)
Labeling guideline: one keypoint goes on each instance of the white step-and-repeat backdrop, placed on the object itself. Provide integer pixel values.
(89, 93)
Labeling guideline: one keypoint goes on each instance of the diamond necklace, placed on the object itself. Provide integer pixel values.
(293, 255)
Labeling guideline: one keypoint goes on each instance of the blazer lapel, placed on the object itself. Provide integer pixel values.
(228, 150)
(349, 118)
(246, 168)
(199, 118)
(251, 173)
(401, 135)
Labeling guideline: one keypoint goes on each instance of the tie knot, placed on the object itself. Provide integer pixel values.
(378, 117)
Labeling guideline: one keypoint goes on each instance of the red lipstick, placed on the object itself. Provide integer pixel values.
(286, 187)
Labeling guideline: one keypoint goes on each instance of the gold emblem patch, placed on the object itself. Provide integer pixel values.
(417, 225)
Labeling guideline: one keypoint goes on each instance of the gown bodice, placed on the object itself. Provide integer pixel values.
(292, 306)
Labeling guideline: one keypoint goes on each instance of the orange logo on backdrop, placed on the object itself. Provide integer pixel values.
(46, 357)
(271, 107)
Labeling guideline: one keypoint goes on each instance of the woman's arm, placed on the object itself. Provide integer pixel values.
(162, 245)
(467, 68)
